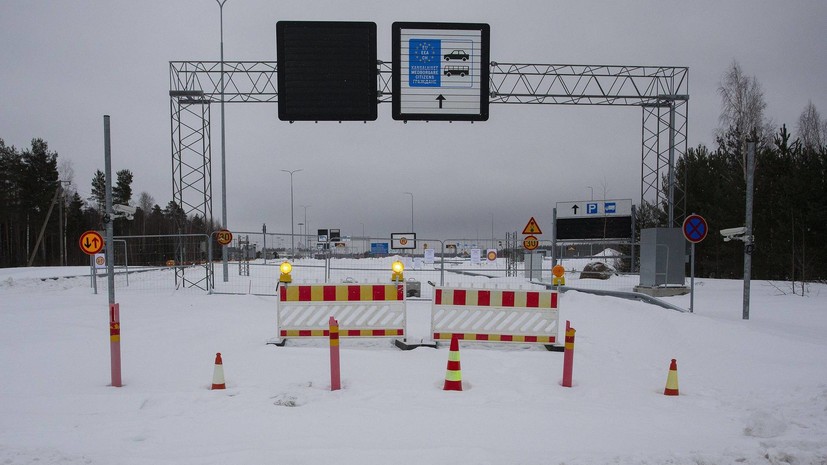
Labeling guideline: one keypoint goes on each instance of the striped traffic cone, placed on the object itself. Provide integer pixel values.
(453, 376)
(672, 380)
(218, 373)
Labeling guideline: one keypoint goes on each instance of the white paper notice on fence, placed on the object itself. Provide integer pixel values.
(429, 256)
(476, 256)
(417, 263)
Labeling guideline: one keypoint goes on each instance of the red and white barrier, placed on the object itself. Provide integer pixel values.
(362, 310)
(495, 315)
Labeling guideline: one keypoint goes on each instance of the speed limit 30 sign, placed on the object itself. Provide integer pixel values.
(224, 237)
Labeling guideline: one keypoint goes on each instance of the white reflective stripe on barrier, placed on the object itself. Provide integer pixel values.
(495, 315)
(361, 310)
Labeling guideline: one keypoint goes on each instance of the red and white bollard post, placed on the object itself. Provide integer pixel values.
(568, 355)
(115, 343)
(335, 369)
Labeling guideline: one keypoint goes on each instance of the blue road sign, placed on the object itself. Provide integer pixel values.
(591, 208)
(695, 228)
(424, 57)
(379, 248)
(609, 208)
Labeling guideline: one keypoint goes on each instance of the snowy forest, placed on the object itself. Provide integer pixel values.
(36, 198)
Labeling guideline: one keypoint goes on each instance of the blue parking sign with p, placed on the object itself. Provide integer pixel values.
(591, 208)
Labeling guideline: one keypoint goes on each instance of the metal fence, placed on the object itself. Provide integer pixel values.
(192, 262)
(159, 262)
(255, 257)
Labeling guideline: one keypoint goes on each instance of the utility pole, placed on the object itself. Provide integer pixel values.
(748, 239)
(292, 221)
(114, 313)
(224, 251)
(306, 228)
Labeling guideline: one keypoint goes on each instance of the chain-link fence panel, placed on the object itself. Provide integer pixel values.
(159, 262)
(255, 258)
(599, 264)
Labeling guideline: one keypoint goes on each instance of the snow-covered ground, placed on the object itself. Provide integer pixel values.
(752, 392)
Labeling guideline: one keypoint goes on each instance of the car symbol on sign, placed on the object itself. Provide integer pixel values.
(456, 55)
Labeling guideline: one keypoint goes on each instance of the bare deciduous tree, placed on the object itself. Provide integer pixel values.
(742, 101)
(145, 203)
(66, 171)
(742, 108)
(811, 130)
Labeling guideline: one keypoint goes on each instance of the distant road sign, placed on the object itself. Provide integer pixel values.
(91, 242)
(695, 228)
(379, 248)
(531, 242)
(224, 237)
(403, 240)
(532, 227)
(594, 219)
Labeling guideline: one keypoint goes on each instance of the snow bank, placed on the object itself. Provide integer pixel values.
(752, 392)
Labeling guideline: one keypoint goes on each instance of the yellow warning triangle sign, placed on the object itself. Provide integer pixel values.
(532, 227)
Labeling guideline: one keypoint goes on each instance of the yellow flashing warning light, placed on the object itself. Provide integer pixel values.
(285, 269)
(397, 268)
(559, 275)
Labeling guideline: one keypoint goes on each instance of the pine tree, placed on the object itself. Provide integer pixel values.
(11, 209)
(38, 185)
(122, 190)
(99, 191)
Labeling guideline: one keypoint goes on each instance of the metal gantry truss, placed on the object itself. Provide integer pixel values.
(662, 92)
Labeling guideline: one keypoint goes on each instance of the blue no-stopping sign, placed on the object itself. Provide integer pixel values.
(695, 228)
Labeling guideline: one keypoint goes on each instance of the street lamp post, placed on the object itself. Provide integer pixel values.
(592, 190)
(364, 240)
(224, 251)
(292, 221)
(306, 228)
(301, 233)
(412, 211)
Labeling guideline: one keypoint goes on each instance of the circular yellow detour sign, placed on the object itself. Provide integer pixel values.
(91, 242)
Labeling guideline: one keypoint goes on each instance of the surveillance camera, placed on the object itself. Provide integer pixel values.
(125, 209)
(732, 232)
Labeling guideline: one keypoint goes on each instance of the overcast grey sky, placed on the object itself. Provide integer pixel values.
(67, 63)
